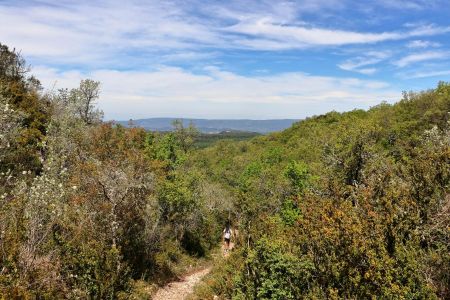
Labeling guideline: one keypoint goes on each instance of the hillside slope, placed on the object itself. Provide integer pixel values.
(351, 205)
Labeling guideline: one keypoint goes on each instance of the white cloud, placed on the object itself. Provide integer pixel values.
(420, 57)
(298, 37)
(276, 35)
(170, 91)
(359, 63)
(422, 44)
(425, 74)
(367, 71)
(407, 4)
(188, 56)
(94, 32)
(103, 32)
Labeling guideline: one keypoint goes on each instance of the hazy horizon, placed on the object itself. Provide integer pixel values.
(207, 119)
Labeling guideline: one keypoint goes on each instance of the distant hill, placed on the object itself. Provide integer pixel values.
(214, 126)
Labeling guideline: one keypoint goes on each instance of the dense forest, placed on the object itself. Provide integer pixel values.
(351, 205)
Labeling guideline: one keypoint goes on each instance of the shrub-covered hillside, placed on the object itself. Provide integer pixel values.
(349, 205)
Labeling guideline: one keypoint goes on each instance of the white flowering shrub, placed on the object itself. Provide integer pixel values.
(9, 130)
(40, 202)
(44, 206)
(9, 126)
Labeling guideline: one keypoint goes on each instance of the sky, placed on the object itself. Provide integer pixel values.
(233, 59)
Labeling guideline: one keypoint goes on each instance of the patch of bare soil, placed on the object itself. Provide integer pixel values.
(179, 290)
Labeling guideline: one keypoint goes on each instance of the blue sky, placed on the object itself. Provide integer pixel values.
(233, 59)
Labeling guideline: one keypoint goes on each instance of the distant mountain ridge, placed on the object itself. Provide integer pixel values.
(214, 126)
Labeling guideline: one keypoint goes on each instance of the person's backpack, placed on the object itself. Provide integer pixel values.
(227, 233)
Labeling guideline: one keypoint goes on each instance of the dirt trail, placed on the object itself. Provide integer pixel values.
(179, 290)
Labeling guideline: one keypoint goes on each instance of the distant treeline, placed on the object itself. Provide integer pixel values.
(213, 126)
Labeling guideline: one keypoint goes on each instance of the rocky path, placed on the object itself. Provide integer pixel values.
(179, 290)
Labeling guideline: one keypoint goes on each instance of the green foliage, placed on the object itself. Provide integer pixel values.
(167, 150)
(360, 196)
(289, 212)
(208, 139)
(177, 199)
(273, 272)
(23, 94)
(172, 147)
(251, 172)
(298, 175)
(273, 156)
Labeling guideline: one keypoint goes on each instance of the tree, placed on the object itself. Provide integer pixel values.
(88, 93)
(83, 100)
(185, 135)
(12, 64)
(80, 102)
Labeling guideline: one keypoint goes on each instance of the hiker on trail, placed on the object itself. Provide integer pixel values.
(227, 232)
